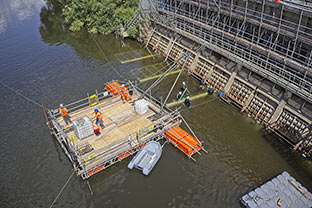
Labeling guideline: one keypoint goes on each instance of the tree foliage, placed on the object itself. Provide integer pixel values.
(99, 15)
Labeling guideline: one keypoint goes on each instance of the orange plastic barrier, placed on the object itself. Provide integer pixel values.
(124, 155)
(114, 88)
(184, 141)
(96, 170)
(128, 153)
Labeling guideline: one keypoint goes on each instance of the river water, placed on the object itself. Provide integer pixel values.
(42, 60)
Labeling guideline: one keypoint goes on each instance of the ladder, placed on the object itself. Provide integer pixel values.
(133, 21)
(123, 31)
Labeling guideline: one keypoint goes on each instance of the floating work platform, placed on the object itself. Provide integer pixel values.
(282, 191)
(125, 130)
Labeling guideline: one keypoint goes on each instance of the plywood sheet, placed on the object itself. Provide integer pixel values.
(88, 110)
(108, 138)
(116, 109)
(134, 126)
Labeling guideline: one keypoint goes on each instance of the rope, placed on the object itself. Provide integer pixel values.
(62, 188)
(15, 91)
(90, 188)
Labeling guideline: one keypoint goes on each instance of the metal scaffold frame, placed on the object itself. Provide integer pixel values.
(262, 37)
(89, 163)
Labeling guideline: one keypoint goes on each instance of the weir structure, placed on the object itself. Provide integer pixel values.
(257, 52)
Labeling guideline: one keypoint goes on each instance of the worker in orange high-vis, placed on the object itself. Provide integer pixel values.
(99, 118)
(64, 114)
(124, 94)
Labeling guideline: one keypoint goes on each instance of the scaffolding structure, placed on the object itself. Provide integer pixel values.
(271, 39)
(125, 132)
(265, 67)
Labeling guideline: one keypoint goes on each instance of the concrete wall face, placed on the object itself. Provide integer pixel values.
(259, 53)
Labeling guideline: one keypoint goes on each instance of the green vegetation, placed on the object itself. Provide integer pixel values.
(101, 16)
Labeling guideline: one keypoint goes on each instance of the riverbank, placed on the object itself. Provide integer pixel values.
(97, 16)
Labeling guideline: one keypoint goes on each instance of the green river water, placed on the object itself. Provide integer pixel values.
(42, 60)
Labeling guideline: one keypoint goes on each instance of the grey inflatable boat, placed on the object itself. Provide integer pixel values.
(147, 157)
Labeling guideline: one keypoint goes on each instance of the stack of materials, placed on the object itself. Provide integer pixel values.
(83, 127)
(141, 106)
(281, 191)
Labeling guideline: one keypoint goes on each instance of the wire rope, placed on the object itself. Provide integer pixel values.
(58, 195)
(15, 91)
(112, 66)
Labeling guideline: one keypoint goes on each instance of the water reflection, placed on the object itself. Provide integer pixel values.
(53, 31)
(17, 11)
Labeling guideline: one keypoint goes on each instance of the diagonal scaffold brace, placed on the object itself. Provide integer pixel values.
(170, 69)
(186, 57)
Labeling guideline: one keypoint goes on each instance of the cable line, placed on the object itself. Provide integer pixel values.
(58, 195)
(15, 91)
(108, 60)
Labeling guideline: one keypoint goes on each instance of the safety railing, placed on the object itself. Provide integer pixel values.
(127, 144)
(250, 36)
(85, 102)
(290, 78)
(89, 161)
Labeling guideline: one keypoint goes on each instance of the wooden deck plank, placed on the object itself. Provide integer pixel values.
(107, 139)
(120, 120)
(134, 126)
(88, 110)
(126, 122)
(116, 109)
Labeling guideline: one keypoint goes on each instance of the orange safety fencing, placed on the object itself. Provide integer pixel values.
(96, 170)
(183, 140)
(129, 152)
(123, 156)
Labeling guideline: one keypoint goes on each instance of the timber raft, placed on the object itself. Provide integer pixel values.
(125, 130)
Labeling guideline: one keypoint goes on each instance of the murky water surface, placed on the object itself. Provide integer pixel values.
(41, 59)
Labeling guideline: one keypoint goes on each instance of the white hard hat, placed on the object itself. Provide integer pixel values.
(180, 92)
(188, 97)
(61, 105)
(183, 83)
(122, 85)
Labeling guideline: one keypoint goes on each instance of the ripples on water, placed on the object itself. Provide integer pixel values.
(44, 61)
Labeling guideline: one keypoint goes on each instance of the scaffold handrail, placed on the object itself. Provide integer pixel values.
(286, 84)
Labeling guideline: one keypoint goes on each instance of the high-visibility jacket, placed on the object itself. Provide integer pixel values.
(63, 112)
(124, 90)
(99, 115)
(124, 93)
